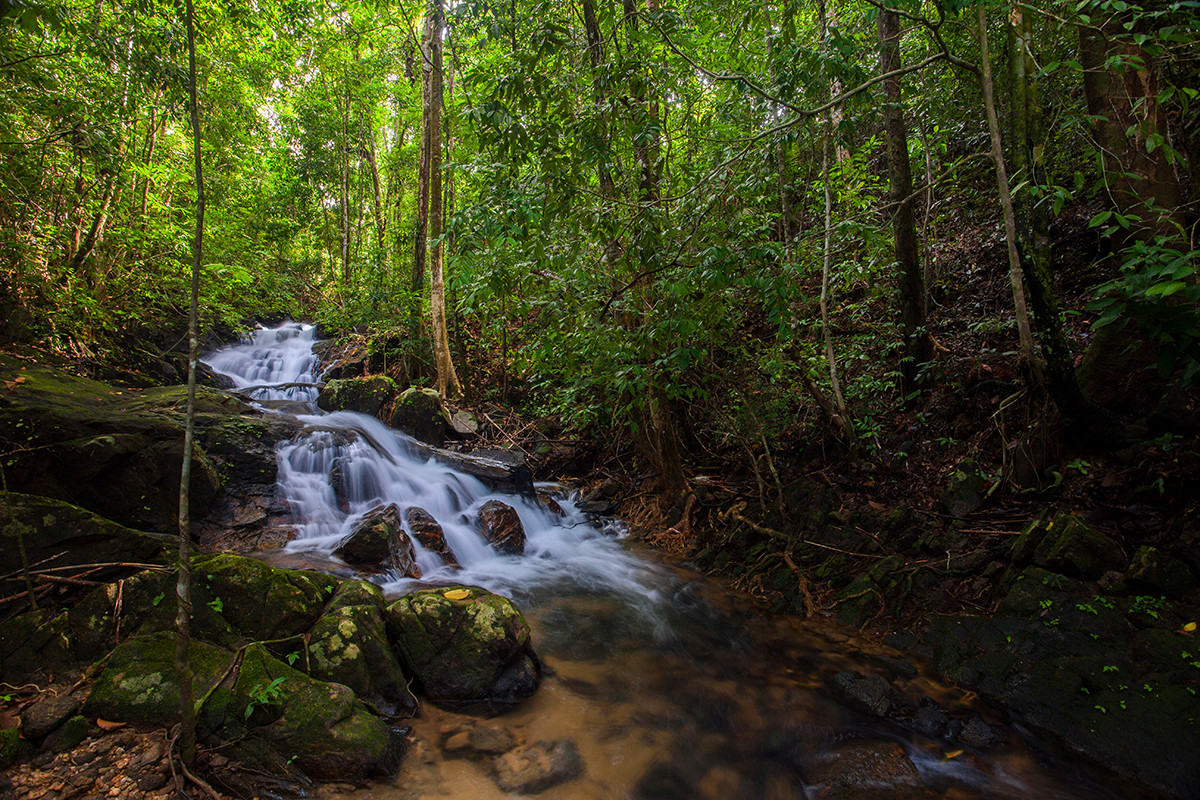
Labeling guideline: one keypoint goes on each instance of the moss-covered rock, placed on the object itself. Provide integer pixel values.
(34, 646)
(138, 681)
(467, 647)
(966, 489)
(241, 588)
(117, 452)
(349, 645)
(12, 747)
(1160, 571)
(1071, 546)
(366, 395)
(280, 716)
(420, 414)
(70, 535)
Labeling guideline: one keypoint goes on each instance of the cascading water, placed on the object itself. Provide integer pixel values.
(669, 687)
(376, 465)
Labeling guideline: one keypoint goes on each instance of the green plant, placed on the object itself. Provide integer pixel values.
(216, 604)
(1087, 608)
(264, 695)
(1080, 465)
(1150, 606)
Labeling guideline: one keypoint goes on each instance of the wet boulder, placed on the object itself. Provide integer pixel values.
(468, 648)
(378, 541)
(349, 645)
(500, 525)
(429, 533)
(365, 395)
(420, 414)
(857, 769)
(871, 694)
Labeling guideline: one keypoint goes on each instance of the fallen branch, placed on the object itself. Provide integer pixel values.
(783, 537)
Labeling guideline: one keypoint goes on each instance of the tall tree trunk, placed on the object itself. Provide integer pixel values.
(423, 176)
(447, 379)
(183, 586)
(612, 245)
(344, 186)
(1120, 83)
(918, 347)
(1024, 334)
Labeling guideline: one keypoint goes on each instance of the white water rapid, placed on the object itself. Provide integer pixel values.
(376, 465)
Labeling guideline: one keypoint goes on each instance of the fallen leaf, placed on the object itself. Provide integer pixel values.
(105, 725)
(456, 594)
(1191, 626)
(953, 754)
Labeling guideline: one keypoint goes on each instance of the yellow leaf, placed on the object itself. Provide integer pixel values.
(953, 754)
(456, 594)
(1191, 626)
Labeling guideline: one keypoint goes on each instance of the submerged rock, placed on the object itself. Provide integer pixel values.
(500, 525)
(537, 767)
(871, 694)
(379, 541)
(430, 534)
(467, 647)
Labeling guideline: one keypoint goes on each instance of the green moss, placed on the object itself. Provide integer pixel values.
(365, 395)
(12, 747)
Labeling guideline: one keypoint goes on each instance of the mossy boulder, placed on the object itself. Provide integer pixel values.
(365, 395)
(118, 452)
(1071, 546)
(420, 413)
(966, 489)
(277, 716)
(12, 747)
(1160, 571)
(241, 588)
(138, 682)
(469, 649)
(349, 645)
(36, 646)
(53, 529)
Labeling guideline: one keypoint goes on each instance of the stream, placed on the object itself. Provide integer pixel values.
(669, 685)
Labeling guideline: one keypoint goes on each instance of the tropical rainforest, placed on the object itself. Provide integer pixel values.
(840, 301)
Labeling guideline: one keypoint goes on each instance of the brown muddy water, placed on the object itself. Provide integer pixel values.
(690, 693)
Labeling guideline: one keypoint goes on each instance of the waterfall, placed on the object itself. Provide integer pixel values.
(344, 464)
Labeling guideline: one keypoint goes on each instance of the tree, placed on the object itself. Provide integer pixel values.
(917, 347)
(447, 378)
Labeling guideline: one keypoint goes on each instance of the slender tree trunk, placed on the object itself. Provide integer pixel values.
(423, 178)
(918, 347)
(373, 164)
(1006, 203)
(841, 417)
(344, 187)
(183, 587)
(447, 378)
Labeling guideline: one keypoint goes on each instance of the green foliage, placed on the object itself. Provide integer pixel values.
(1158, 292)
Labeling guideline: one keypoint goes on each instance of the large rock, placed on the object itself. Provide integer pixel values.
(349, 645)
(1071, 546)
(420, 414)
(500, 525)
(429, 533)
(365, 395)
(271, 714)
(966, 489)
(378, 542)
(467, 647)
(501, 470)
(58, 534)
(1160, 571)
(117, 452)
